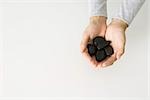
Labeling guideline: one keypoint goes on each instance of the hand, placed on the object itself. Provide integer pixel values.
(97, 27)
(116, 34)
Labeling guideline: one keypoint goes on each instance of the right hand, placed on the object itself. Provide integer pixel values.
(96, 27)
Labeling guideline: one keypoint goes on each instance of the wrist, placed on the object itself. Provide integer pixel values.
(98, 20)
(119, 23)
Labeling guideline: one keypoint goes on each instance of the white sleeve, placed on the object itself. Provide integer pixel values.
(128, 10)
(97, 7)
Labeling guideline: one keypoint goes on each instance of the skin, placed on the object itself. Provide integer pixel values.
(114, 32)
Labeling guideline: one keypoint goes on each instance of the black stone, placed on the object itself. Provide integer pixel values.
(109, 50)
(100, 55)
(100, 48)
(108, 42)
(100, 42)
(91, 49)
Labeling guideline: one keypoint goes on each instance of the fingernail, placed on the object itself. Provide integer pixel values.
(118, 57)
(103, 65)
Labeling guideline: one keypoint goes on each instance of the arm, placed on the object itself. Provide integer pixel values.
(97, 7)
(128, 10)
(116, 29)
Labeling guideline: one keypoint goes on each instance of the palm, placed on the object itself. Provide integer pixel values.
(117, 37)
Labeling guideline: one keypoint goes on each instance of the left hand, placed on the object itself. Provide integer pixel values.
(116, 34)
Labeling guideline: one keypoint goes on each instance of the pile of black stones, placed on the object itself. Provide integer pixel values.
(100, 48)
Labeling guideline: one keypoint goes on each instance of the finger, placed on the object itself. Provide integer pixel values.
(95, 62)
(109, 61)
(99, 64)
(84, 42)
(89, 58)
(120, 52)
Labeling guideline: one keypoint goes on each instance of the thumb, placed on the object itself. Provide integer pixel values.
(120, 53)
(84, 42)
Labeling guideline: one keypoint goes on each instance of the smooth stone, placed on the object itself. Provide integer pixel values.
(109, 50)
(100, 42)
(100, 55)
(91, 49)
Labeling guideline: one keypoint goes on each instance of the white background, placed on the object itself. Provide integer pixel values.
(40, 55)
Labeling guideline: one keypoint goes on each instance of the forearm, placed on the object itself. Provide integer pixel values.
(128, 10)
(97, 8)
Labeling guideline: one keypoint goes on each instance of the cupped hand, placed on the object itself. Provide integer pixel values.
(116, 34)
(96, 27)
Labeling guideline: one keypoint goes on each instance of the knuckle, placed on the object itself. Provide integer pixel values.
(82, 47)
